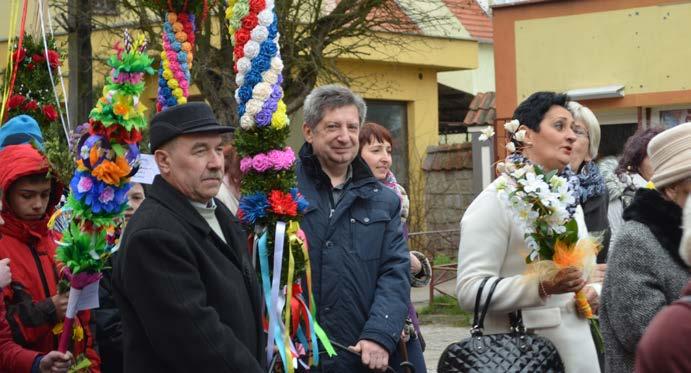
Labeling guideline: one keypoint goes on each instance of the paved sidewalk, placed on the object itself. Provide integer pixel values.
(438, 336)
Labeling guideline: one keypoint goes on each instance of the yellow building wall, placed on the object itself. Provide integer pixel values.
(643, 48)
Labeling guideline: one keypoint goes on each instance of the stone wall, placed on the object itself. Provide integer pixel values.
(448, 175)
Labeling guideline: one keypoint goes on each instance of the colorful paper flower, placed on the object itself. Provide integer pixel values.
(253, 207)
(282, 203)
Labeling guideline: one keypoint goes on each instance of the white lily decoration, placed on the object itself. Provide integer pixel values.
(510, 147)
(512, 126)
(486, 134)
(520, 136)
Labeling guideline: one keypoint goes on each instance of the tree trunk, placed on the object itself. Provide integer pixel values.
(81, 97)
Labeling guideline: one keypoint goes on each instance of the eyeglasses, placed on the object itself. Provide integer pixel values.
(580, 131)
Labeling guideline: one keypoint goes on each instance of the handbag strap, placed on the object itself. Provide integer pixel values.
(481, 322)
(478, 297)
(516, 320)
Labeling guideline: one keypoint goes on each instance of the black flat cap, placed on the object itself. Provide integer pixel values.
(193, 117)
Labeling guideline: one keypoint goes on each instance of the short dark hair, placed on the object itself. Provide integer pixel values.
(635, 150)
(532, 110)
(371, 131)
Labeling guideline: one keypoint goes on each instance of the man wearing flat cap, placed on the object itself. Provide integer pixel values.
(183, 280)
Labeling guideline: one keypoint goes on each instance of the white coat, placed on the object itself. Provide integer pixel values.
(492, 244)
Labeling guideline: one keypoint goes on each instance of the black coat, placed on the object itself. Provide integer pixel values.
(108, 326)
(189, 302)
(595, 214)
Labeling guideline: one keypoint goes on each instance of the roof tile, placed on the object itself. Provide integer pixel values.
(472, 17)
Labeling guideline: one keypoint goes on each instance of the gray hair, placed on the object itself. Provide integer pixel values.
(585, 115)
(328, 97)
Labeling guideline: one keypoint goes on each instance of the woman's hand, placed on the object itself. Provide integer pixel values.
(567, 280)
(415, 265)
(598, 273)
(5, 273)
(593, 300)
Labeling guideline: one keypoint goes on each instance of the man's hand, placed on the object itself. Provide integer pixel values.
(593, 300)
(374, 356)
(5, 273)
(55, 362)
(60, 302)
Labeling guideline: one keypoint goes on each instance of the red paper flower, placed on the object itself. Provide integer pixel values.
(282, 203)
(38, 58)
(50, 112)
(15, 101)
(242, 36)
(19, 55)
(250, 21)
(54, 59)
(31, 105)
(257, 6)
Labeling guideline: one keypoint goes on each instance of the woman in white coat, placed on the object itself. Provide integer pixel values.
(492, 244)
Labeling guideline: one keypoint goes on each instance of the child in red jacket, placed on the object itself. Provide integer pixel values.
(34, 307)
(13, 358)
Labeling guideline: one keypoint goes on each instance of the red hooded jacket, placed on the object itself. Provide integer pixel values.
(13, 358)
(30, 245)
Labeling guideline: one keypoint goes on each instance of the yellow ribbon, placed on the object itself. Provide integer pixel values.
(292, 230)
(14, 13)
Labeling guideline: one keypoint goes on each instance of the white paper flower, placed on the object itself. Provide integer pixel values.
(244, 65)
(253, 106)
(259, 33)
(501, 168)
(486, 134)
(520, 136)
(262, 91)
(240, 79)
(246, 122)
(251, 49)
(512, 125)
(270, 76)
(265, 17)
(276, 64)
(510, 147)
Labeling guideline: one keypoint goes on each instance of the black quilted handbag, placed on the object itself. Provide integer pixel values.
(516, 351)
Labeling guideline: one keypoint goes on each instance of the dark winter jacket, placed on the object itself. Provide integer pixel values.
(189, 302)
(360, 261)
(595, 214)
(108, 325)
(665, 345)
(31, 246)
(644, 274)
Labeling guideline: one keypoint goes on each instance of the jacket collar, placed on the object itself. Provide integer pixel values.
(168, 196)
(661, 216)
(310, 162)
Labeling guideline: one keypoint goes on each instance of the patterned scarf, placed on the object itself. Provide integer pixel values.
(567, 173)
(391, 182)
(592, 184)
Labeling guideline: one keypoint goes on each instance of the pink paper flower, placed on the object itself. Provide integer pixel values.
(282, 159)
(246, 165)
(261, 162)
(85, 184)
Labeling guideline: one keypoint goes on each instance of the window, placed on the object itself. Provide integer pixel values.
(394, 116)
(104, 7)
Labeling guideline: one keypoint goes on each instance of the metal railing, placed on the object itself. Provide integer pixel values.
(429, 246)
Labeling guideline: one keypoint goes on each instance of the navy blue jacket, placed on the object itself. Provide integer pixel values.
(360, 261)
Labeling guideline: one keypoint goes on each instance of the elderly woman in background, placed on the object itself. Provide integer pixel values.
(645, 271)
(664, 346)
(229, 192)
(593, 192)
(493, 245)
(375, 149)
(624, 177)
